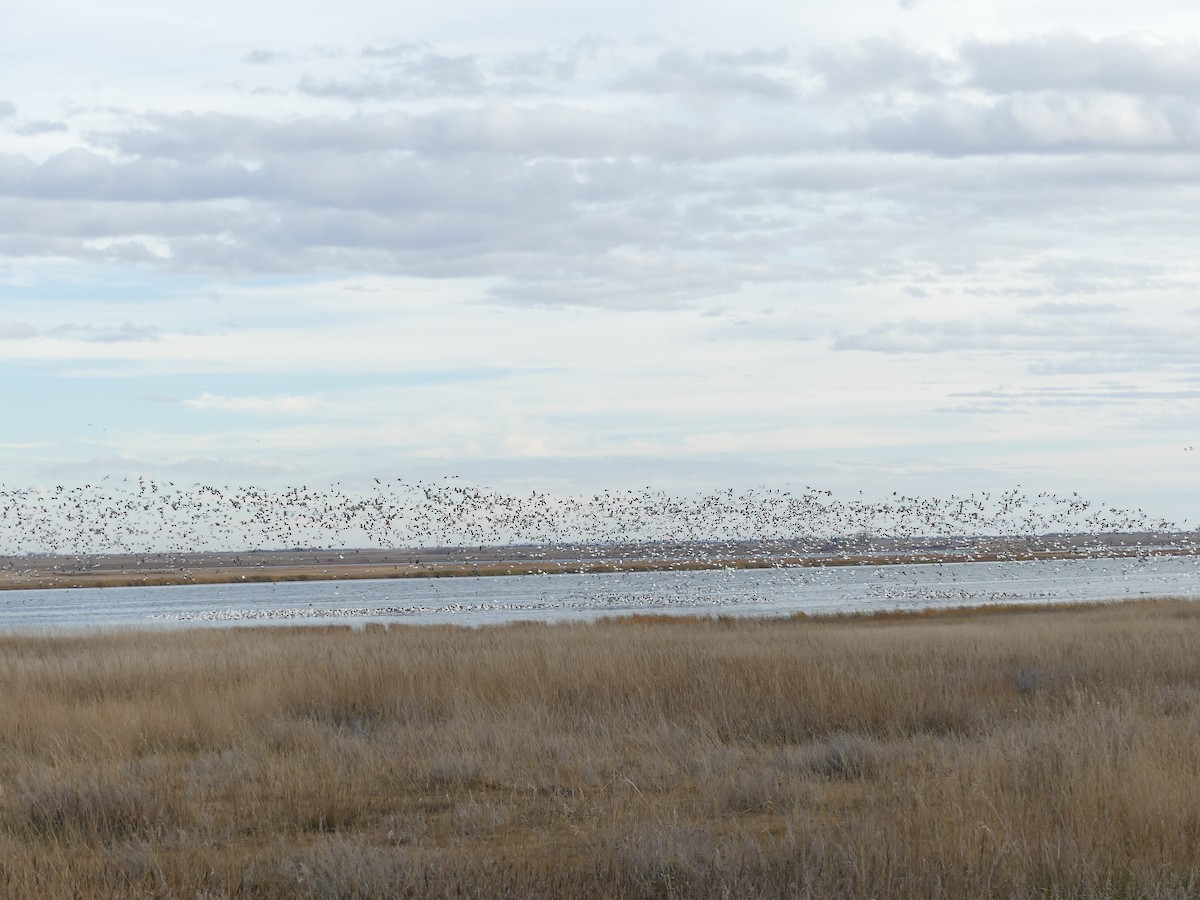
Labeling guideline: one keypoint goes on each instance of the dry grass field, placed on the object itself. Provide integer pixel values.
(1051, 752)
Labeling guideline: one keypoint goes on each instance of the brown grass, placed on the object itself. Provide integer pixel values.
(1046, 752)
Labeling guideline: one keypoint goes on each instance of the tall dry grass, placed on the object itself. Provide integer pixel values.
(1047, 753)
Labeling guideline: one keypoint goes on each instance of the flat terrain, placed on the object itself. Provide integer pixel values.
(1003, 752)
(132, 569)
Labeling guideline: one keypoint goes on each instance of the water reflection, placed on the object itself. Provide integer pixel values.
(484, 601)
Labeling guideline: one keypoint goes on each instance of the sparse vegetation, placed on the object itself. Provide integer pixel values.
(1028, 752)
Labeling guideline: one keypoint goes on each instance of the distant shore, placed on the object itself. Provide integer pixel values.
(284, 566)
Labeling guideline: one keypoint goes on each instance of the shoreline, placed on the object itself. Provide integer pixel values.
(45, 577)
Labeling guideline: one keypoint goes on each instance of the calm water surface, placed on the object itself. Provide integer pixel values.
(485, 601)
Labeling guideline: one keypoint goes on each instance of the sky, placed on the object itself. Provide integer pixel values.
(929, 246)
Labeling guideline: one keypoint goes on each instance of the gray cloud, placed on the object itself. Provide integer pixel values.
(16, 331)
(72, 220)
(1049, 123)
(409, 70)
(124, 333)
(41, 126)
(7, 109)
(880, 64)
(1072, 62)
(404, 50)
(81, 174)
(265, 57)
(761, 73)
(554, 65)
(427, 212)
(546, 130)
(1053, 308)
(1056, 396)
(874, 163)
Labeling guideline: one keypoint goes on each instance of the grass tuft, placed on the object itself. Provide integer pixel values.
(988, 752)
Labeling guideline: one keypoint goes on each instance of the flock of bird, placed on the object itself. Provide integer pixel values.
(143, 515)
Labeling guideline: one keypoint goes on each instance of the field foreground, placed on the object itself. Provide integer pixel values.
(1043, 752)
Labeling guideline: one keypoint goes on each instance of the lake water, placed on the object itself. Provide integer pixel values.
(485, 601)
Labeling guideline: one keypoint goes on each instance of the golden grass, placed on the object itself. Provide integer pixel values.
(1047, 752)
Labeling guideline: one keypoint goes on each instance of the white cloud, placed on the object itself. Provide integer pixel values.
(275, 405)
(1168, 340)
(749, 243)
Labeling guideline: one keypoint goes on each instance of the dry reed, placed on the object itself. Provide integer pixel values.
(1043, 752)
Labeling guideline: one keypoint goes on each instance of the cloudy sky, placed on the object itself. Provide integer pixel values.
(933, 246)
